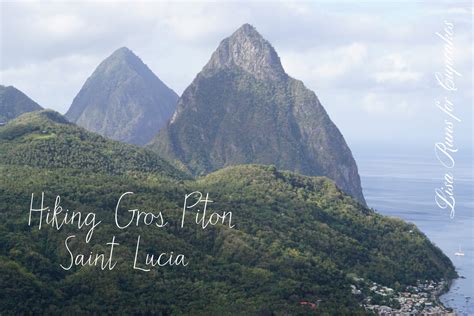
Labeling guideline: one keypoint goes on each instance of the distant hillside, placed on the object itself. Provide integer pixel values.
(13, 103)
(123, 100)
(46, 139)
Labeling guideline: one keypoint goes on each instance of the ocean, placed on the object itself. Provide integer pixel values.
(404, 186)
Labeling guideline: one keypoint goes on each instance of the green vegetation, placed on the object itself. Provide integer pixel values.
(45, 139)
(296, 238)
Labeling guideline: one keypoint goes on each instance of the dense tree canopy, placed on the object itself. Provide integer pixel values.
(295, 239)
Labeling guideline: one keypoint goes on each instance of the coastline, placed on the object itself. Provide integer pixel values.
(450, 311)
(417, 207)
(419, 299)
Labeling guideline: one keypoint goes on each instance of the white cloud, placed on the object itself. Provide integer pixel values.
(386, 105)
(298, 7)
(60, 25)
(51, 82)
(447, 11)
(362, 59)
(322, 67)
(395, 68)
(342, 60)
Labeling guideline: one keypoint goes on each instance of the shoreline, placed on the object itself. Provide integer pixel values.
(420, 299)
(443, 291)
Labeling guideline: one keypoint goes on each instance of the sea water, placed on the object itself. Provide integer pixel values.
(404, 186)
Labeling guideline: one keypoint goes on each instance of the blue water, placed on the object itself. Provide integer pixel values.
(404, 186)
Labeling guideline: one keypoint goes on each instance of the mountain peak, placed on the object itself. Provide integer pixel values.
(263, 116)
(124, 53)
(13, 103)
(249, 30)
(123, 57)
(124, 50)
(247, 50)
(123, 100)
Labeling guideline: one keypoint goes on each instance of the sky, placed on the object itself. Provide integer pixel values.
(372, 64)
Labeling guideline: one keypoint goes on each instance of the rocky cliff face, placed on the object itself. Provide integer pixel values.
(13, 103)
(123, 100)
(243, 108)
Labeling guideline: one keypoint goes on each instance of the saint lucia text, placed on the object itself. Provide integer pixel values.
(194, 212)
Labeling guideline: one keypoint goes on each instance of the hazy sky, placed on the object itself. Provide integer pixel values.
(372, 65)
